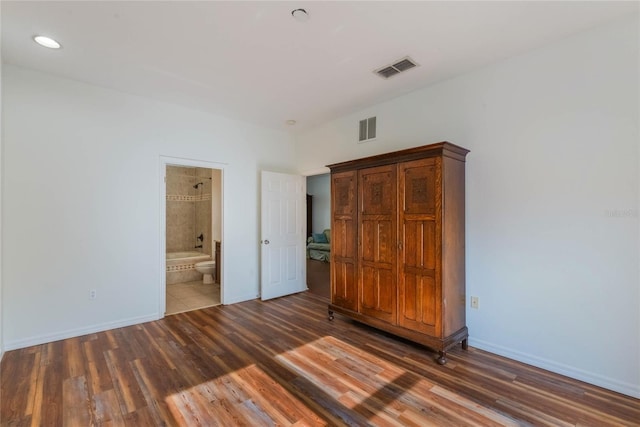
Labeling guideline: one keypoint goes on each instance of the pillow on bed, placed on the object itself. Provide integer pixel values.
(319, 238)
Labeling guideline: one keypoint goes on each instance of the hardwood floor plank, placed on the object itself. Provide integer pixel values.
(255, 415)
(496, 417)
(127, 390)
(531, 414)
(370, 410)
(281, 362)
(18, 382)
(51, 407)
(281, 402)
(74, 362)
(38, 396)
(156, 408)
(76, 406)
(33, 384)
(107, 409)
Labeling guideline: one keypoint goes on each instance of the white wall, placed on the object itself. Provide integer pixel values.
(319, 186)
(552, 197)
(81, 195)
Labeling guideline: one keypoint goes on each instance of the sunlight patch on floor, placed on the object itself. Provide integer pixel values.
(329, 374)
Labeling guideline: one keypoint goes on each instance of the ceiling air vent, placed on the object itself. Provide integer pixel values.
(367, 129)
(401, 65)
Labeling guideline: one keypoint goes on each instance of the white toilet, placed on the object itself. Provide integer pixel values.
(207, 268)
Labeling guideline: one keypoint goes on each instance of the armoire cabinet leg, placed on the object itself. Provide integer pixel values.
(330, 314)
(465, 344)
(443, 357)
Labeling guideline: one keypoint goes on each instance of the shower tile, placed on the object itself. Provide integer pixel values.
(172, 186)
(183, 276)
(203, 172)
(173, 212)
(174, 170)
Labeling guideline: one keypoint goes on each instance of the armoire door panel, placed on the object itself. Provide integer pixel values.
(419, 244)
(344, 289)
(378, 241)
(421, 250)
(420, 187)
(344, 194)
(377, 228)
(378, 191)
(429, 309)
(377, 293)
(420, 300)
(344, 247)
(342, 233)
(369, 296)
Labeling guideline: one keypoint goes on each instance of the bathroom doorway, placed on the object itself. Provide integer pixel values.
(192, 236)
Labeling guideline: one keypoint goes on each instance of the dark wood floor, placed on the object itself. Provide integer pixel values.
(319, 278)
(281, 362)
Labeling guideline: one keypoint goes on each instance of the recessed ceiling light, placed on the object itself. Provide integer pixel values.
(291, 122)
(300, 15)
(47, 42)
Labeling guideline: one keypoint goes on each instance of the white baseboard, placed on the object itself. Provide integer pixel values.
(629, 389)
(72, 333)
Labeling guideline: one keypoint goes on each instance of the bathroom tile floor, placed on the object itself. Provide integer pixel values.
(191, 296)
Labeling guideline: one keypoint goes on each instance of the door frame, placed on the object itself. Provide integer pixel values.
(181, 161)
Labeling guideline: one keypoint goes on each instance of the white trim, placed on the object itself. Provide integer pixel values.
(629, 389)
(180, 161)
(77, 332)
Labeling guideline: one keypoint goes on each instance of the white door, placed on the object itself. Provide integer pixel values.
(283, 230)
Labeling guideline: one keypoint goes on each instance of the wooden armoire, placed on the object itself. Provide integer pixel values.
(397, 244)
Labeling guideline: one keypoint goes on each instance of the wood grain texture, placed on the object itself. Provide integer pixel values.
(411, 236)
(344, 245)
(281, 362)
(377, 228)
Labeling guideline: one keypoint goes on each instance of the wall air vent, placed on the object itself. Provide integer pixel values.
(367, 129)
(398, 67)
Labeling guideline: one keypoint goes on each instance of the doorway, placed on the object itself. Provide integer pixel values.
(192, 235)
(319, 234)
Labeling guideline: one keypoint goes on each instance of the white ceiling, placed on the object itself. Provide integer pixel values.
(252, 61)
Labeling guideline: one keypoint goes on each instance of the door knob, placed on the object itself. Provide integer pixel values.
(266, 242)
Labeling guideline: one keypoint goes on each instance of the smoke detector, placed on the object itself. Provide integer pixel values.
(300, 15)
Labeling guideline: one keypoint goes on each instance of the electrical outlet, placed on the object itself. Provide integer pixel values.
(92, 294)
(474, 302)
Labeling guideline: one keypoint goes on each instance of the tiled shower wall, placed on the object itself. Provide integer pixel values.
(188, 209)
(203, 208)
